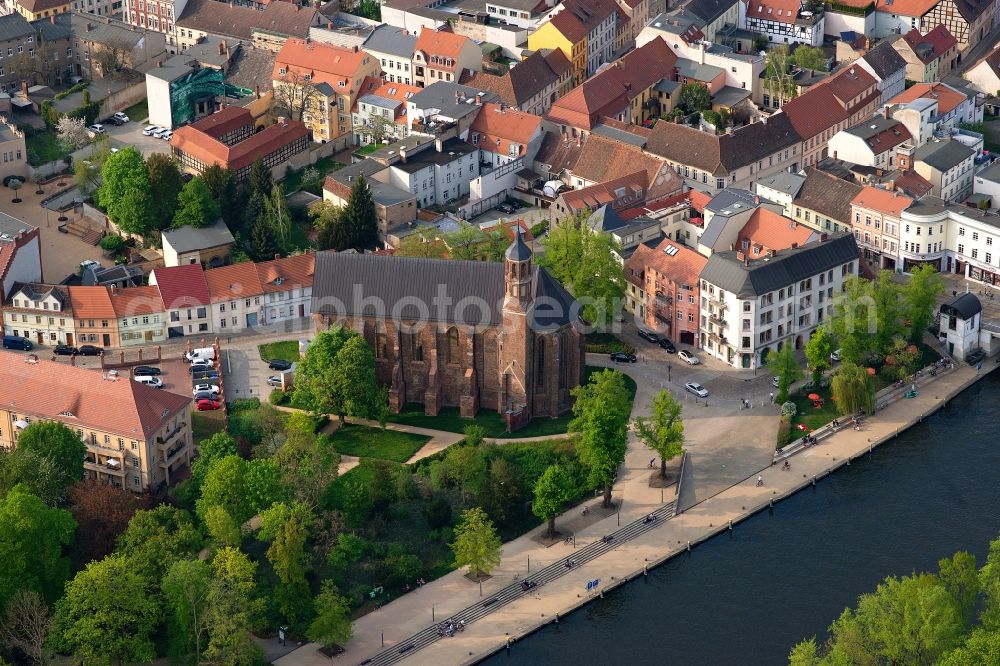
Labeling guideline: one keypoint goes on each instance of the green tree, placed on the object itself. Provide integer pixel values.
(600, 419)
(39, 475)
(695, 97)
(33, 540)
(552, 490)
(53, 440)
(214, 448)
(783, 365)
(853, 389)
(818, 351)
(222, 527)
(589, 264)
(289, 559)
(472, 243)
(165, 185)
(960, 578)
(263, 243)
(195, 205)
(805, 653)
(185, 594)
(109, 613)
(980, 647)
(332, 625)
(989, 582)
(501, 493)
(465, 467)
(256, 189)
(809, 57)
(278, 217)
(901, 359)
(359, 218)
(337, 376)
(308, 463)
(226, 192)
(477, 543)
(920, 296)
(663, 432)
(157, 538)
(778, 80)
(231, 609)
(330, 233)
(125, 192)
(244, 487)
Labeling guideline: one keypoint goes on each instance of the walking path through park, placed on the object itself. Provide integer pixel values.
(381, 634)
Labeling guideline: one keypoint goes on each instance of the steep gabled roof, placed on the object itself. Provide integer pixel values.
(884, 60)
(578, 18)
(602, 159)
(323, 63)
(828, 103)
(931, 46)
(827, 195)
(947, 97)
(182, 286)
(497, 128)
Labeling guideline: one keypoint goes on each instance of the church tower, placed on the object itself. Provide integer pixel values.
(516, 336)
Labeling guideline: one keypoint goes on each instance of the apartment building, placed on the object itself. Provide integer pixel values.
(929, 57)
(103, 46)
(96, 320)
(532, 85)
(137, 437)
(13, 151)
(237, 297)
(985, 74)
(380, 112)
(967, 20)
(393, 48)
(320, 83)
(823, 202)
(34, 10)
(782, 21)
(970, 238)
(887, 67)
(504, 135)
(141, 316)
(870, 143)
(876, 221)
(664, 289)
(41, 313)
(954, 106)
(184, 292)
(750, 307)
(33, 53)
(584, 30)
(287, 287)
(395, 207)
(438, 173)
(441, 55)
(948, 166)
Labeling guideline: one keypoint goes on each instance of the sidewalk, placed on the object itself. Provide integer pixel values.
(413, 612)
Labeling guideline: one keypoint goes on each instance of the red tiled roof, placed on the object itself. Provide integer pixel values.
(373, 85)
(212, 151)
(699, 200)
(182, 286)
(767, 230)
(228, 283)
(82, 398)
(9, 249)
(224, 121)
(913, 184)
(829, 102)
(939, 39)
(579, 18)
(441, 43)
(780, 11)
(593, 197)
(324, 63)
(287, 273)
(881, 200)
(136, 301)
(681, 267)
(905, 7)
(947, 97)
(496, 128)
(91, 302)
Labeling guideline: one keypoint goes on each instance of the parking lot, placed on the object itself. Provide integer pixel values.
(129, 134)
(246, 373)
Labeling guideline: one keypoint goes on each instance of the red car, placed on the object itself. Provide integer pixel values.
(206, 405)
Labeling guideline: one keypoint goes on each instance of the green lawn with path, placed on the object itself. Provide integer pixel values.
(286, 350)
(808, 414)
(449, 419)
(138, 112)
(365, 442)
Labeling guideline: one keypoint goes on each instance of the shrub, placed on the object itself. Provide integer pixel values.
(788, 410)
(113, 243)
(540, 228)
(277, 397)
(437, 512)
(784, 431)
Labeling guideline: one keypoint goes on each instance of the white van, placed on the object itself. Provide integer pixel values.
(207, 353)
(149, 380)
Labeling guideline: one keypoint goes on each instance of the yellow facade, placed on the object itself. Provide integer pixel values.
(549, 37)
(41, 13)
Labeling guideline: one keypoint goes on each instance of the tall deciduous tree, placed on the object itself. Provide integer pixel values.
(919, 299)
(185, 592)
(601, 415)
(53, 440)
(243, 487)
(337, 376)
(102, 512)
(695, 97)
(662, 432)
(783, 365)
(289, 559)
(778, 80)
(960, 578)
(226, 192)
(39, 475)
(818, 351)
(853, 389)
(552, 490)
(125, 192)
(332, 625)
(165, 185)
(809, 57)
(25, 626)
(278, 217)
(195, 205)
(157, 538)
(109, 613)
(33, 540)
(72, 133)
(308, 463)
(221, 526)
(230, 610)
(477, 543)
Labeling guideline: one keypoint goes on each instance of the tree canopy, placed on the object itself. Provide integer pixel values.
(783, 365)
(53, 440)
(663, 431)
(337, 376)
(818, 351)
(695, 97)
(332, 625)
(477, 543)
(552, 490)
(355, 226)
(195, 205)
(125, 192)
(601, 415)
(165, 185)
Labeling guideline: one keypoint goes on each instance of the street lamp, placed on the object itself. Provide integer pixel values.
(668, 371)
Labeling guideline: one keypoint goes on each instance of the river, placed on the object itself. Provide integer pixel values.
(783, 576)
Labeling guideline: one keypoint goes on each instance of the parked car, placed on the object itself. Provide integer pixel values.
(89, 350)
(65, 350)
(649, 336)
(120, 117)
(668, 345)
(166, 134)
(149, 370)
(151, 130)
(279, 364)
(274, 380)
(17, 342)
(688, 357)
(974, 357)
(89, 263)
(158, 132)
(204, 395)
(113, 121)
(200, 363)
(835, 356)
(206, 405)
(97, 128)
(205, 388)
(622, 357)
(149, 380)
(697, 389)
(200, 352)
(202, 375)
(506, 208)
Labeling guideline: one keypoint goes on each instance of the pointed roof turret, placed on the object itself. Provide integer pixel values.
(518, 250)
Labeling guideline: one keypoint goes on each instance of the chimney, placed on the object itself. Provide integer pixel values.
(739, 254)
(281, 120)
(329, 25)
(772, 253)
(438, 144)
(24, 89)
(479, 99)
(756, 200)
(891, 186)
(159, 63)
(701, 53)
(277, 255)
(222, 47)
(89, 27)
(885, 112)
(794, 245)
(52, 19)
(823, 236)
(355, 48)
(256, 90)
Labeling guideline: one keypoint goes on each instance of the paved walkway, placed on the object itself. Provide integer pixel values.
(709, 515)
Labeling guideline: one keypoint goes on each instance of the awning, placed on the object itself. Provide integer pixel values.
(20, 425)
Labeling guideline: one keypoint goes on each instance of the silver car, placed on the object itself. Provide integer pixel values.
(697, 389)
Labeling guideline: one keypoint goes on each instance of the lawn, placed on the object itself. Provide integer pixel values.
(365, 442)
(44, 147)
(605, 343)
(206, 424)
(367, 150)
(293, 181)
(138, 112)
(286, 350)
(813, 418)
(449, 419)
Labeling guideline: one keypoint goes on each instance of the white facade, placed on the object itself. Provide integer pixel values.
(960, 336)
(892, 85)
(513, 14)
(395, 68)
(158, 98)
(601, 43)
(434, 182)
(969, 245)
(26, 266)
(782, 29)
(837, 23)
(287, 305)
(887, 23)
(236, 315)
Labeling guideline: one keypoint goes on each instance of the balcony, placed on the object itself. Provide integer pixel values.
(106, 466)
(717, 319)
(169, 436)
(712, 335)
(717, 302)
(169, 456)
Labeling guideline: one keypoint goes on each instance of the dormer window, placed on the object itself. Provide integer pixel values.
(308, 77)
(278, 281)
(282, 71)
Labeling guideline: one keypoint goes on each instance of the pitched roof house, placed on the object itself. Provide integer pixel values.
(928, 57)
(441, 55)
(506, 134)
(531, 85)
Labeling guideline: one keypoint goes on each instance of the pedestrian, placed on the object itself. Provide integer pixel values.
(651, 461)
(281, 635)
(771, 394)
(760, 480)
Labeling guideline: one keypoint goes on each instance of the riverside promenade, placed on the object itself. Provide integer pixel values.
(391, 627)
